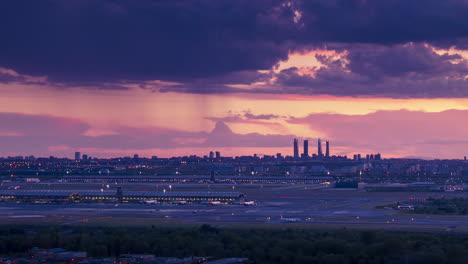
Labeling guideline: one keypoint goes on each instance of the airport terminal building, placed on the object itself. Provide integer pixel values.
(196, 179)
(58, 196)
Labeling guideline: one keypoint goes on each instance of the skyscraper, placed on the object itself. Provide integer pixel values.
(211, 154)
(296, 149)
(306, 148)
(218, 154)
(319, 148)
(327, 148)
(77, 155)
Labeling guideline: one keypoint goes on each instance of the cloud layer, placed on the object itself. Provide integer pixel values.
(221, 46)
(394, 133)
(51, 133)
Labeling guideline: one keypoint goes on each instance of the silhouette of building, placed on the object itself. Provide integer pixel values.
(306, 148)
(211, 154)
(77, 155)
(327, 148)
(378, 156)
(296, 148)
(319, 148)
(218, 154)
(85, 157)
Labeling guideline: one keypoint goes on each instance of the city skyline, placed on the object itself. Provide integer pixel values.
(233, 131)
(114, 78)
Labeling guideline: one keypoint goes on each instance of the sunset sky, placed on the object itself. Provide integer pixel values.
(174, 78)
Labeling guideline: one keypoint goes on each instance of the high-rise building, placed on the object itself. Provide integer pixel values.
(319, 148)
(296, 148)
(77, 155)
(211, 155)
(327, 148)
(306, 148)
(85, 157)
(218, 154)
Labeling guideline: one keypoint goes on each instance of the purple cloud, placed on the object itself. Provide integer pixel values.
(39, 134)
(399, 71)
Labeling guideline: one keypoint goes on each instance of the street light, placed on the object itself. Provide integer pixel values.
(170, 187)
(164, 191)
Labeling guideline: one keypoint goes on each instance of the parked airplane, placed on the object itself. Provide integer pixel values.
(284, 219)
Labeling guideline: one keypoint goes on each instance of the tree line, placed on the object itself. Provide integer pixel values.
(289, 245)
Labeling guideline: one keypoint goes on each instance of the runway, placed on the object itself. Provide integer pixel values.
(304, 204)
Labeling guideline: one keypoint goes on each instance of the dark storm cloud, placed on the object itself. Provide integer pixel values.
(399, 71)
(400, 60)
(385, 22)
(173, 40)
(218, 84)
(204, 45)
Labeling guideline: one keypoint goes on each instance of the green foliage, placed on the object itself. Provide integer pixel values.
(259, 245)
(443, 206)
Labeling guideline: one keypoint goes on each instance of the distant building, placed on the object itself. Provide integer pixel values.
(77, 155)
(135, 156)
(319, 148)
(306, 148)
(218, 154)
(211, 155)
(278, 156)
(327, 148)
(296, 148)
(85, 157)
